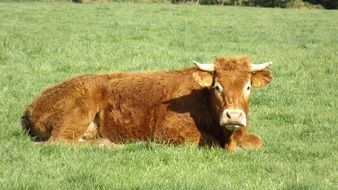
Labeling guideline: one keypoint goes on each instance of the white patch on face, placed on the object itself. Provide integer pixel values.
(247, 89)
(218, 88)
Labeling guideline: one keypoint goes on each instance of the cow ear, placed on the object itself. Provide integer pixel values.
(204, 79)
(260, 78)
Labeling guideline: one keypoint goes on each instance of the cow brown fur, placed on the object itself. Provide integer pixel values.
(172, 106)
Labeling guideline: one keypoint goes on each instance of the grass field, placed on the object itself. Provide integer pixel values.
(44, 43)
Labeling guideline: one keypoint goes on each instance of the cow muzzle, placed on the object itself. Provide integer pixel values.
(233, 119)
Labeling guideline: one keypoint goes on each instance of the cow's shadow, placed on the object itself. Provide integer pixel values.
(200, 108)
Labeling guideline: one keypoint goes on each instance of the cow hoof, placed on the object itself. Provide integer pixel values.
(91, 132)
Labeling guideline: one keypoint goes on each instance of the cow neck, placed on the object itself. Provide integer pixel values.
(211, 107)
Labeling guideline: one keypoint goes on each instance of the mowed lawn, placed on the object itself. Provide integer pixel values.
(296, 115)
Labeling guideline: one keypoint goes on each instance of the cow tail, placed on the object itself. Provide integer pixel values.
(28, 127)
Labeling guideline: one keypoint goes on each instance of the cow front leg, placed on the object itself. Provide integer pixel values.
(243, 139)
(250, 141)
(231, 145)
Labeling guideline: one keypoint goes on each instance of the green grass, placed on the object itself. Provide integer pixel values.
(44, 43)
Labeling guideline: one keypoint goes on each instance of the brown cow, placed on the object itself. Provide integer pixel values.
(207, 104)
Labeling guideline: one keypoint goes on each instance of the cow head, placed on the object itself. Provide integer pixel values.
(230, 81)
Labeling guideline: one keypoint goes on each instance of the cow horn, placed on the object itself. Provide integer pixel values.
(210, 67)
(259, 67)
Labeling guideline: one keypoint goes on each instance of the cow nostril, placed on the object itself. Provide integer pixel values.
(228, 115)
(233, 117)
(233, 114)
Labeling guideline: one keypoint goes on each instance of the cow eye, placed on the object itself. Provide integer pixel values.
(248, 88)
(218, 88)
